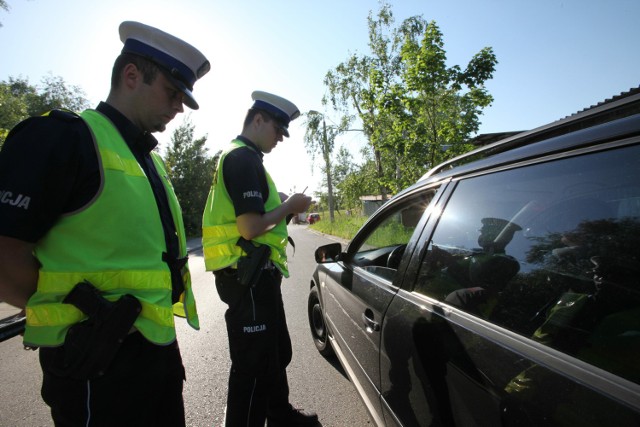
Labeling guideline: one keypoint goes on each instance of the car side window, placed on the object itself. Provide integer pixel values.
(548, 251)
(383, 247)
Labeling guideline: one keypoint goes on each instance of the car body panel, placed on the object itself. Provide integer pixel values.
(354, 303)
(443, 367)
(559, 343)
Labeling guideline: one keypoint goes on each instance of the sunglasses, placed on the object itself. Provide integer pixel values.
(278, 128)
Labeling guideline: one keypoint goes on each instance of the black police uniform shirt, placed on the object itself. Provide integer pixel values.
(49, 167)
(245, 178)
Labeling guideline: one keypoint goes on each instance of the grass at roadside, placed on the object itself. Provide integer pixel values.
(343, 226)
(389, 233)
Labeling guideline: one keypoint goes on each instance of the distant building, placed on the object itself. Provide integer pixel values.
(371, 203)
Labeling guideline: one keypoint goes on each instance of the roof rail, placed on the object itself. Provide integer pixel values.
(619, 106)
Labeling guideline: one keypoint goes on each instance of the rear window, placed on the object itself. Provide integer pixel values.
(550, 251)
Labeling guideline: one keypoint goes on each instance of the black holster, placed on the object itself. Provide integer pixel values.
(175, 266)
(91, 345)
(250, 266)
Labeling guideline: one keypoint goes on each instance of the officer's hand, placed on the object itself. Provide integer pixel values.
(298, 202)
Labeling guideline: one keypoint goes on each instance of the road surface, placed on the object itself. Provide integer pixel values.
(316, 383)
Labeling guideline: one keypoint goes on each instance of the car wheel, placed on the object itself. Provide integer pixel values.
(317, 325)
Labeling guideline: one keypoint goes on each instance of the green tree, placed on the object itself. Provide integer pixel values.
(20, 100)
(361, 81)
(343, 166)
(191, 173)
(4, 6)
(415, 111)
(55, 93)
(320, 138)
(442, 104)
(13, 109)
(359, 180)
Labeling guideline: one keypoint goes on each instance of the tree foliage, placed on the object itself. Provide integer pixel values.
(415, 110)
(361, 82)
(20, 100)
(54, 93)
(3, 6)
(191, 173)
(353, 181)
(342, 167)
(320, 138)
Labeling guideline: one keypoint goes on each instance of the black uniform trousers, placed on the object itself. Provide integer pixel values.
(142, 387)
(259, 346)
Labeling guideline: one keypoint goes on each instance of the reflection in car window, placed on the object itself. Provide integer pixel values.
(383, 248)
(550, 252)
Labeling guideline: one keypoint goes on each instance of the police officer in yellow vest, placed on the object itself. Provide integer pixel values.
(244, 207)
(96, 254)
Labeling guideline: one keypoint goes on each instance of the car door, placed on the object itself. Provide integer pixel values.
(524, 306)
(358, 289)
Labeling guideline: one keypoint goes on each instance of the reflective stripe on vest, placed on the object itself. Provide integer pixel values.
(220, 231)
(115, 242)
(186, 306)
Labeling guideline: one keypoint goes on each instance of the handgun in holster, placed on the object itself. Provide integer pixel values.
(91, 345)
(251, 265)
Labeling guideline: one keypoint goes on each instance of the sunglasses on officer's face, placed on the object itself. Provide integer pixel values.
(280, 130)
(277, 128)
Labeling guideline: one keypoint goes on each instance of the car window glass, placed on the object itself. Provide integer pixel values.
(551, 251)
(382, 249)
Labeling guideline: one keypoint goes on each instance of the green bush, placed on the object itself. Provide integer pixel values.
(343, 226)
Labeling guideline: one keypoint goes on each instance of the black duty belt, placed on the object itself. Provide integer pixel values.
(234, 268)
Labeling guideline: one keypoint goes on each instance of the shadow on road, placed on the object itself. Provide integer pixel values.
(333, 361)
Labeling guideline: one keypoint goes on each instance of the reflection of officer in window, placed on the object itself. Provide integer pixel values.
(487, 272)
(599, 264)
(598, 322)
(600, 326)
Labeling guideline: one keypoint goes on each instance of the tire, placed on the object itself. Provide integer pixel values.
(317, 325)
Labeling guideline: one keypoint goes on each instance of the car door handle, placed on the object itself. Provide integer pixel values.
(369, 323)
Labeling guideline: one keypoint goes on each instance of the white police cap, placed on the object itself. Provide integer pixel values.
(282, 110)
(182, 63)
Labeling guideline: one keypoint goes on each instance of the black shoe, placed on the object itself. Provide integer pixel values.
(293, 418)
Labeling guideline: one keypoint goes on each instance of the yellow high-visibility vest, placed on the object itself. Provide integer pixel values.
(220, 231)
(116, 243)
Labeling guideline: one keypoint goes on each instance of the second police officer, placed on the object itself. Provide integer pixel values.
(244, 241)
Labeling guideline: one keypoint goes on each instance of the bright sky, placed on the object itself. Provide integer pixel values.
(556, 57)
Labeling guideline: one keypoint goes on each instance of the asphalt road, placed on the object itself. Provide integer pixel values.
(316, 383)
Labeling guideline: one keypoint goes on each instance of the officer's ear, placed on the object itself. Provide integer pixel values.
(131, 75)
(260, 119)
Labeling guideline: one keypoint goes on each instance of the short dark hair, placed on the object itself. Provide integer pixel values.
(148, 68)
(252, 113)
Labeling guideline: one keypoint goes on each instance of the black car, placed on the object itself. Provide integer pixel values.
(503, 288)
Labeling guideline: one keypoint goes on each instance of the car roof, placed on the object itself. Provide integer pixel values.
(611, 119)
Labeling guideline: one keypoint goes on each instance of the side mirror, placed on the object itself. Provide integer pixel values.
(328, 253)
